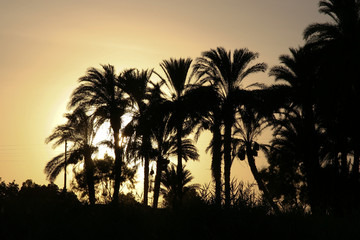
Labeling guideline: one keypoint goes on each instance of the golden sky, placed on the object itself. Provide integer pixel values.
(45, 46)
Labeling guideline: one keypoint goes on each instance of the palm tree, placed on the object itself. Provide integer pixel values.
(345, 26)
(164, 136)
(169, 182)
(248, 128)
(100, 92)
(285, 176)
(207, 116)
(339, 41)
(79, 131)
(155, 122)
(135, 84)
(166, 145)
(299, 71)
(177, 83)
(216, 152)
(226, 72)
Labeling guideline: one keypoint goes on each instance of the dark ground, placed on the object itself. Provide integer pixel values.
(60, 220)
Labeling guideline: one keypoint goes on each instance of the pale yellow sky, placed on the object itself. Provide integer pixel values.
(45, 46)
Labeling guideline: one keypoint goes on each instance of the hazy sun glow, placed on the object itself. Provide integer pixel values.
(103, 134)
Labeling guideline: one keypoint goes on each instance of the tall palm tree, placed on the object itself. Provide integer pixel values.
(155, 122)
(299, 71)
(340, 42)
(216, 152)
(161, 135)
(100, 92)
(164, 136)
(167, 147)
(285, 175)
(136, 84)
(79, 131)
(207, 116)
(177, 83)
(226, 71)
(248, 128)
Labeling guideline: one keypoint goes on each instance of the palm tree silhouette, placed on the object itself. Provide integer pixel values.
(169, 181)
(79, 131)
(345, 27)
(100, 92)
(207, 116)
(164, 136)
(339, 43)
(226, 72)
(177, 83)
(136, 84)
(299, 71)
(248, 128)
(169, 148)
(155, 119)
(166, 141)
(284, 177)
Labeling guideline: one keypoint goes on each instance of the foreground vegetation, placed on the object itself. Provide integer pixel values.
(44, 212)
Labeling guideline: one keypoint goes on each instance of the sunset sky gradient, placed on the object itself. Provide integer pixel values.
(45, 46)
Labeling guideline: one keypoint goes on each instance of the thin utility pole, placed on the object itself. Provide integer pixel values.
(64, 189)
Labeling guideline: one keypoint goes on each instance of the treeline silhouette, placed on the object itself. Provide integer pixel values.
(313, 156)
(312, 109)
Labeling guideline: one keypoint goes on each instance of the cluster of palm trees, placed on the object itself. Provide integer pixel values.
(164, 113)
(313, 115)
(315, 152)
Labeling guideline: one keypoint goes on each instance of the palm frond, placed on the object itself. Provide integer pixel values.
(177, 72)
(321, 32)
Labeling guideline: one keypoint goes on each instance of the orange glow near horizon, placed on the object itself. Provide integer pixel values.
(47, 45)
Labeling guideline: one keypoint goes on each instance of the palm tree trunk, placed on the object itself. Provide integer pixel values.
(157, 181)
(227, 161)
(146, 147)
(312, 169)
(146, 179)
(65, 165)
(216, 161)
(117, 169)
(89, 174)
(179, 161)
(259, 181)
(311, 159)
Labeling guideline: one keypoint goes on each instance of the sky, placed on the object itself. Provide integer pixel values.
(45, 46)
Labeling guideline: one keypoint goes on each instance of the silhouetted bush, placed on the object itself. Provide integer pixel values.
(8, 191)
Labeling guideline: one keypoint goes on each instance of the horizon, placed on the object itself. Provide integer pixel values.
(47, 46)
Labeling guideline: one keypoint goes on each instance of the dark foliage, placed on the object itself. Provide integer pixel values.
(65, 221)
(314, 161)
